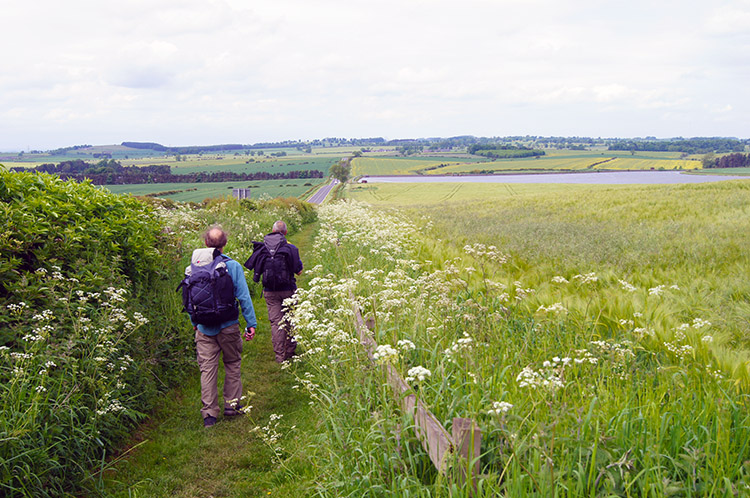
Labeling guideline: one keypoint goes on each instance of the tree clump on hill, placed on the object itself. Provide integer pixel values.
(504, 151)
(736, 160)
(341, 170)
(111, 172)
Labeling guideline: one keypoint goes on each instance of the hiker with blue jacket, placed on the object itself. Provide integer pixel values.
(213, 285)
(277, 261)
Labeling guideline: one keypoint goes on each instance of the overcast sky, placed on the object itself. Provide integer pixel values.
(184, 72)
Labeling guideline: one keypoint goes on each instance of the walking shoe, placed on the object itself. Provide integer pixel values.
(209, 421)
(233, 412)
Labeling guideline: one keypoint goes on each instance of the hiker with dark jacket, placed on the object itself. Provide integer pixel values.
(214, 314)
(277, 262)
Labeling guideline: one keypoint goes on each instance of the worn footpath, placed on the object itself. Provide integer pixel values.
(174, 455)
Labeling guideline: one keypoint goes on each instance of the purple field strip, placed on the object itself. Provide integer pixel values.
(603, 178)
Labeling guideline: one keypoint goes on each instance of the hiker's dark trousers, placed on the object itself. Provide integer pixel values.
(284, 344)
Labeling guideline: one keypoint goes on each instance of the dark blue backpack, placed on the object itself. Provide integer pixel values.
(276, 273)
(208, 293)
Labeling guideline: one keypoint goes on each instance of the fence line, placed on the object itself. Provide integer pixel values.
(466, 438)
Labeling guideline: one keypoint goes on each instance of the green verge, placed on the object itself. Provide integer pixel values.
(197, 192)
(724, 171)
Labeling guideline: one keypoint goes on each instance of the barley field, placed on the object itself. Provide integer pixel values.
(597, 335)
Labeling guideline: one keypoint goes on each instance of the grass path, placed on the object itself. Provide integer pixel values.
(173, 455)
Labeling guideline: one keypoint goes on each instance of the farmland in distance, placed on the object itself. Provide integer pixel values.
(197, 192)
(553, 160)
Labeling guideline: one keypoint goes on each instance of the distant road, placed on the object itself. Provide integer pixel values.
(321, 194)
(604, 178)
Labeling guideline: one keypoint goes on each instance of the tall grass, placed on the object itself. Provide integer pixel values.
(581, 386)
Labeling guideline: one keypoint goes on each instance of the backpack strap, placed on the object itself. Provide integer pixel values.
(218, 258)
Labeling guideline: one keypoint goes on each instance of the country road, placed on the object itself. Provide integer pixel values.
(321, 194)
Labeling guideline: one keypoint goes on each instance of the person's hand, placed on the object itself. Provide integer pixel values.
(249, 333)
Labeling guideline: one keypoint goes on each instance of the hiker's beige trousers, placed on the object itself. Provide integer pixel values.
(229, 343)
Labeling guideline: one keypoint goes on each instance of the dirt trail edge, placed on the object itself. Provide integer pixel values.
(174, 455)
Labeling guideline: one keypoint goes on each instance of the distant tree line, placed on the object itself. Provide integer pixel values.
(736, 160)
(409, 148)
(64, 150)
(297, 144)
(111, 172)
(461, 143)
(687, 145)
(192, 149)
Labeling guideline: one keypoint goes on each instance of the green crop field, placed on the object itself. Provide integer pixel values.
(22, 164)
(270, 165)
(590, 330)
(687, 235)
(409, 194)
(197, 192)
(725, 171)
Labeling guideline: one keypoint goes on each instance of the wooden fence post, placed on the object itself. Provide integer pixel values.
(468, 440)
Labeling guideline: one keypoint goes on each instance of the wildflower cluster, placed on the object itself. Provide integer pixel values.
(385, 353)
(627, 286)
(46, 350)
(521, 292)
(490, 253)
(587, 278)
(405, 345)
(462, 344)
(553, 308)
(542, 379)
(499, 408)
(419, 374)
(271, 435)
(108, 405)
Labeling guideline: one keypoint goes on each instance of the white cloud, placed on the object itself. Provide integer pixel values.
(730, 19)
(275, 69)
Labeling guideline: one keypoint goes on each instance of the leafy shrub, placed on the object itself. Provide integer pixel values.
(48, 221)
(88, 327)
